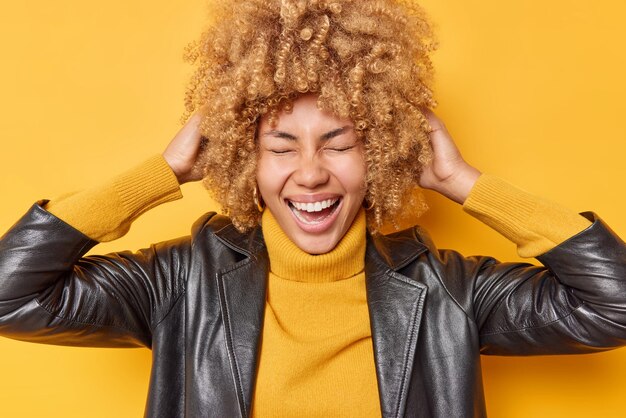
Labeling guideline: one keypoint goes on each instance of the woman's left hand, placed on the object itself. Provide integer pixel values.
(448, 173)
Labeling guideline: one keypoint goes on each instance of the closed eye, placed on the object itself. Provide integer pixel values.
(340, 149)
(280, 151)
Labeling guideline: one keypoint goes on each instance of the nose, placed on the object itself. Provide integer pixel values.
(310, 173)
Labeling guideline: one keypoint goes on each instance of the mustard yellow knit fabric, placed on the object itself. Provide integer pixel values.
(316, 357)
(105, 212)
(535, 225)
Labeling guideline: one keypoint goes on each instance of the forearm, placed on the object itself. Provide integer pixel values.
(106, 212)
(534, 224)
(48, 294)
(575, 303)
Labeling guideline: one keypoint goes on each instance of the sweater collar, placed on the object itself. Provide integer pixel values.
(289, 262)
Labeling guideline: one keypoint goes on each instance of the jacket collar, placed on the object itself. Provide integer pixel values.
(395, 305)
(395, 251)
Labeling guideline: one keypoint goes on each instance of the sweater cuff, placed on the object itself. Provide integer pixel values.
(146, 186)
(534, 224)
(105, 213)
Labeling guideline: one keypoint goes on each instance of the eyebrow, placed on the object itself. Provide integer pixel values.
(325, 137)
(334, 133)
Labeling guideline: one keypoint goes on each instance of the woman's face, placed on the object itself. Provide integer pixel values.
(311, 174)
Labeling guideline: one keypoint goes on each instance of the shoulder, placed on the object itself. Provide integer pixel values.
(416, 234)
(209, 223)
(218, 231)
(400, 248)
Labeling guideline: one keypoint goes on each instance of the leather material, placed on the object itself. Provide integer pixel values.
(198, 303)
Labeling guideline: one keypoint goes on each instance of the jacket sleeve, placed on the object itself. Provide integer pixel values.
(50, 294)
(576, 303)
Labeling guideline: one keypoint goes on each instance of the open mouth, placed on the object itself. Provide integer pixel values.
(314, 213)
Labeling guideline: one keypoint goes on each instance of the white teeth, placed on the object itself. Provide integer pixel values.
(314, 207)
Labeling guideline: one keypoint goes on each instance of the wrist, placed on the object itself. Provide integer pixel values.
(177, 172)
(458, 186)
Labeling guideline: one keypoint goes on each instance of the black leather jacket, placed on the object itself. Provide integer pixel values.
(198, 303)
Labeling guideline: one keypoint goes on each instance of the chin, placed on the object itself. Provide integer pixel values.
(314, 243)
(316, 247)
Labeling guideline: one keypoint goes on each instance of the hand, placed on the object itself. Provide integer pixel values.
(182, 151)
(448, 173)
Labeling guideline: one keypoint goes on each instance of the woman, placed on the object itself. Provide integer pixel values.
(312, 134)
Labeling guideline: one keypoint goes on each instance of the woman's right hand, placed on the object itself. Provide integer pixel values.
(182, 152)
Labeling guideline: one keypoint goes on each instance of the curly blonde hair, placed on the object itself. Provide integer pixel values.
(367, 60)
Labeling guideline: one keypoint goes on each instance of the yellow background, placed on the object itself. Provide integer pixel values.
(532, 90)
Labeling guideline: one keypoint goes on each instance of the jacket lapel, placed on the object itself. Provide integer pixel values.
(395, 305)
(242, 288)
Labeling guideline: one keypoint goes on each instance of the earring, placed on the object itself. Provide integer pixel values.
(256, 199)
(369, 206)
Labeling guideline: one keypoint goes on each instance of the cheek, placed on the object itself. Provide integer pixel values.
(351, 173)
(270, 177)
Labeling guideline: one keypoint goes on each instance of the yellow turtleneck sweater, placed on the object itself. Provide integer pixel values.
(316, 355)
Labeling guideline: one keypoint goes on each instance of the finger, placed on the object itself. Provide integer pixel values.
(435, 123)
(440, 139)
(189, 136)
